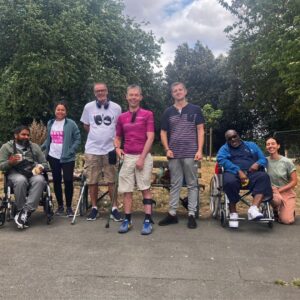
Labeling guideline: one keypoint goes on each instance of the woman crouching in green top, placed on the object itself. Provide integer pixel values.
(63, 139)
(283, 176)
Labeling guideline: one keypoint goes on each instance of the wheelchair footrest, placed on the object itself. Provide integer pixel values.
(265, 220)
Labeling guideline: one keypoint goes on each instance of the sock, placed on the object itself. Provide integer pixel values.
(147, 217)
(96, 207)
(128, 217)
(113, 208)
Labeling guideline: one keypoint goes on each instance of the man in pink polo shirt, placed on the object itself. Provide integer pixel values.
(135, 128)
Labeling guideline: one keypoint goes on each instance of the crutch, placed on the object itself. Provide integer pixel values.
(79, 201)
(115, 191)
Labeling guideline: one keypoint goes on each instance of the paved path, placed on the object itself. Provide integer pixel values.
(87, 261)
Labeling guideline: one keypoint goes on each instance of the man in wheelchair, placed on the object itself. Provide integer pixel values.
(23, 162)
(243, 163)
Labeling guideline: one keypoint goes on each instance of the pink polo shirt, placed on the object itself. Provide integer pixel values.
(135, 134)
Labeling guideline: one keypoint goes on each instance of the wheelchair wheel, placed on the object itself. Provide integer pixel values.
(48, 209)
(83, 206)
(223, 218)
(270, 224)
(215, 197)
(11, 211)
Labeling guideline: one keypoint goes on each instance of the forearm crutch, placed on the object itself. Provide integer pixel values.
(79, 201)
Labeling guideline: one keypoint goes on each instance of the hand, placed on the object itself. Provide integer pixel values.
(254, 168)
(14, 159)
(244, 179)
(120, 152)
(198, 155)
(169, 153)
(140, 163)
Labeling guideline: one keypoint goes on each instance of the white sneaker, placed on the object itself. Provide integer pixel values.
(254, 213)
(233, 220)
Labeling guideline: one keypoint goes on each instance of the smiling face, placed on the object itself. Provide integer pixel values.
(134, 97)
(272, 146)
(232, 138)
(179, 92)
(22, 138)
(60, 112)
(100, 91)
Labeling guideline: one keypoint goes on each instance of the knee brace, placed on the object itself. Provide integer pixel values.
(149, 202)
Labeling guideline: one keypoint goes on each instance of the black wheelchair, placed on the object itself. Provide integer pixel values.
(219, 202)
(8, 208)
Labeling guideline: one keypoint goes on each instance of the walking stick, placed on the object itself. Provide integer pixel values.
(79, 201)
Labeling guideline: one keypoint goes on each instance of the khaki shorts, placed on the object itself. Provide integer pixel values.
(129, 175)
(97, 167)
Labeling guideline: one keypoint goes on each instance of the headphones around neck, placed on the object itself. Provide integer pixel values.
(105, 104)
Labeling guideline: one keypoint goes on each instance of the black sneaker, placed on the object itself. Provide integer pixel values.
(93, 215)
(18, 220)
(21, 219)
(116, 216)
(169, 219)
(60, 211)
(191, 222)
(26, 218)
(69, 212)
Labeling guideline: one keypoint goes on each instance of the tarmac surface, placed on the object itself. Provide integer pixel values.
(88, 261)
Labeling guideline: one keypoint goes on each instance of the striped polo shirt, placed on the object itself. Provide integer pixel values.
(181, 128)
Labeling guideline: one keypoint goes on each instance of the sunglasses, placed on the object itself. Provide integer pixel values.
(230, 138)
(133, 117)
(100, 91)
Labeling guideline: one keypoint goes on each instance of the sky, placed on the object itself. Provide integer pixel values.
(180, 21)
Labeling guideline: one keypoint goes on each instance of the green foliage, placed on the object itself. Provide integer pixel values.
(265, 58)
(211, 115)
(52, 49)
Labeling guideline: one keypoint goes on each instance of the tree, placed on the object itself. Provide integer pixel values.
(52, 49)
(266, 59)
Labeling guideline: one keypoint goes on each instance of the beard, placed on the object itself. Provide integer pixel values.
(24, 143)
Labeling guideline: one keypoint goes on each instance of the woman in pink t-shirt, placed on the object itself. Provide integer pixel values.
(63, 139)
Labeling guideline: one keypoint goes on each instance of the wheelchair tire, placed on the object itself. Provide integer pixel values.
(223, 218)
(11, 211)
(215, 197)
(83, 207)
(48, 209)
(270, 224)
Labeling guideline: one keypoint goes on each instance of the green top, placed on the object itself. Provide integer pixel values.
(280, 170)
(7, 150)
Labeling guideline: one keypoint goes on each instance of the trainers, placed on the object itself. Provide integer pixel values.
(116, 215)
(233, 220)
(69, 212)
(26, 219)
(254, 213)
(60, 211)
(21, 219)
(147, 227)
(93, 215)
(125, 226)
(169, 219)
(191, 222)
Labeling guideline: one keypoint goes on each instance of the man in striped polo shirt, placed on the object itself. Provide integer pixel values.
(136, 129)
(182, 135)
